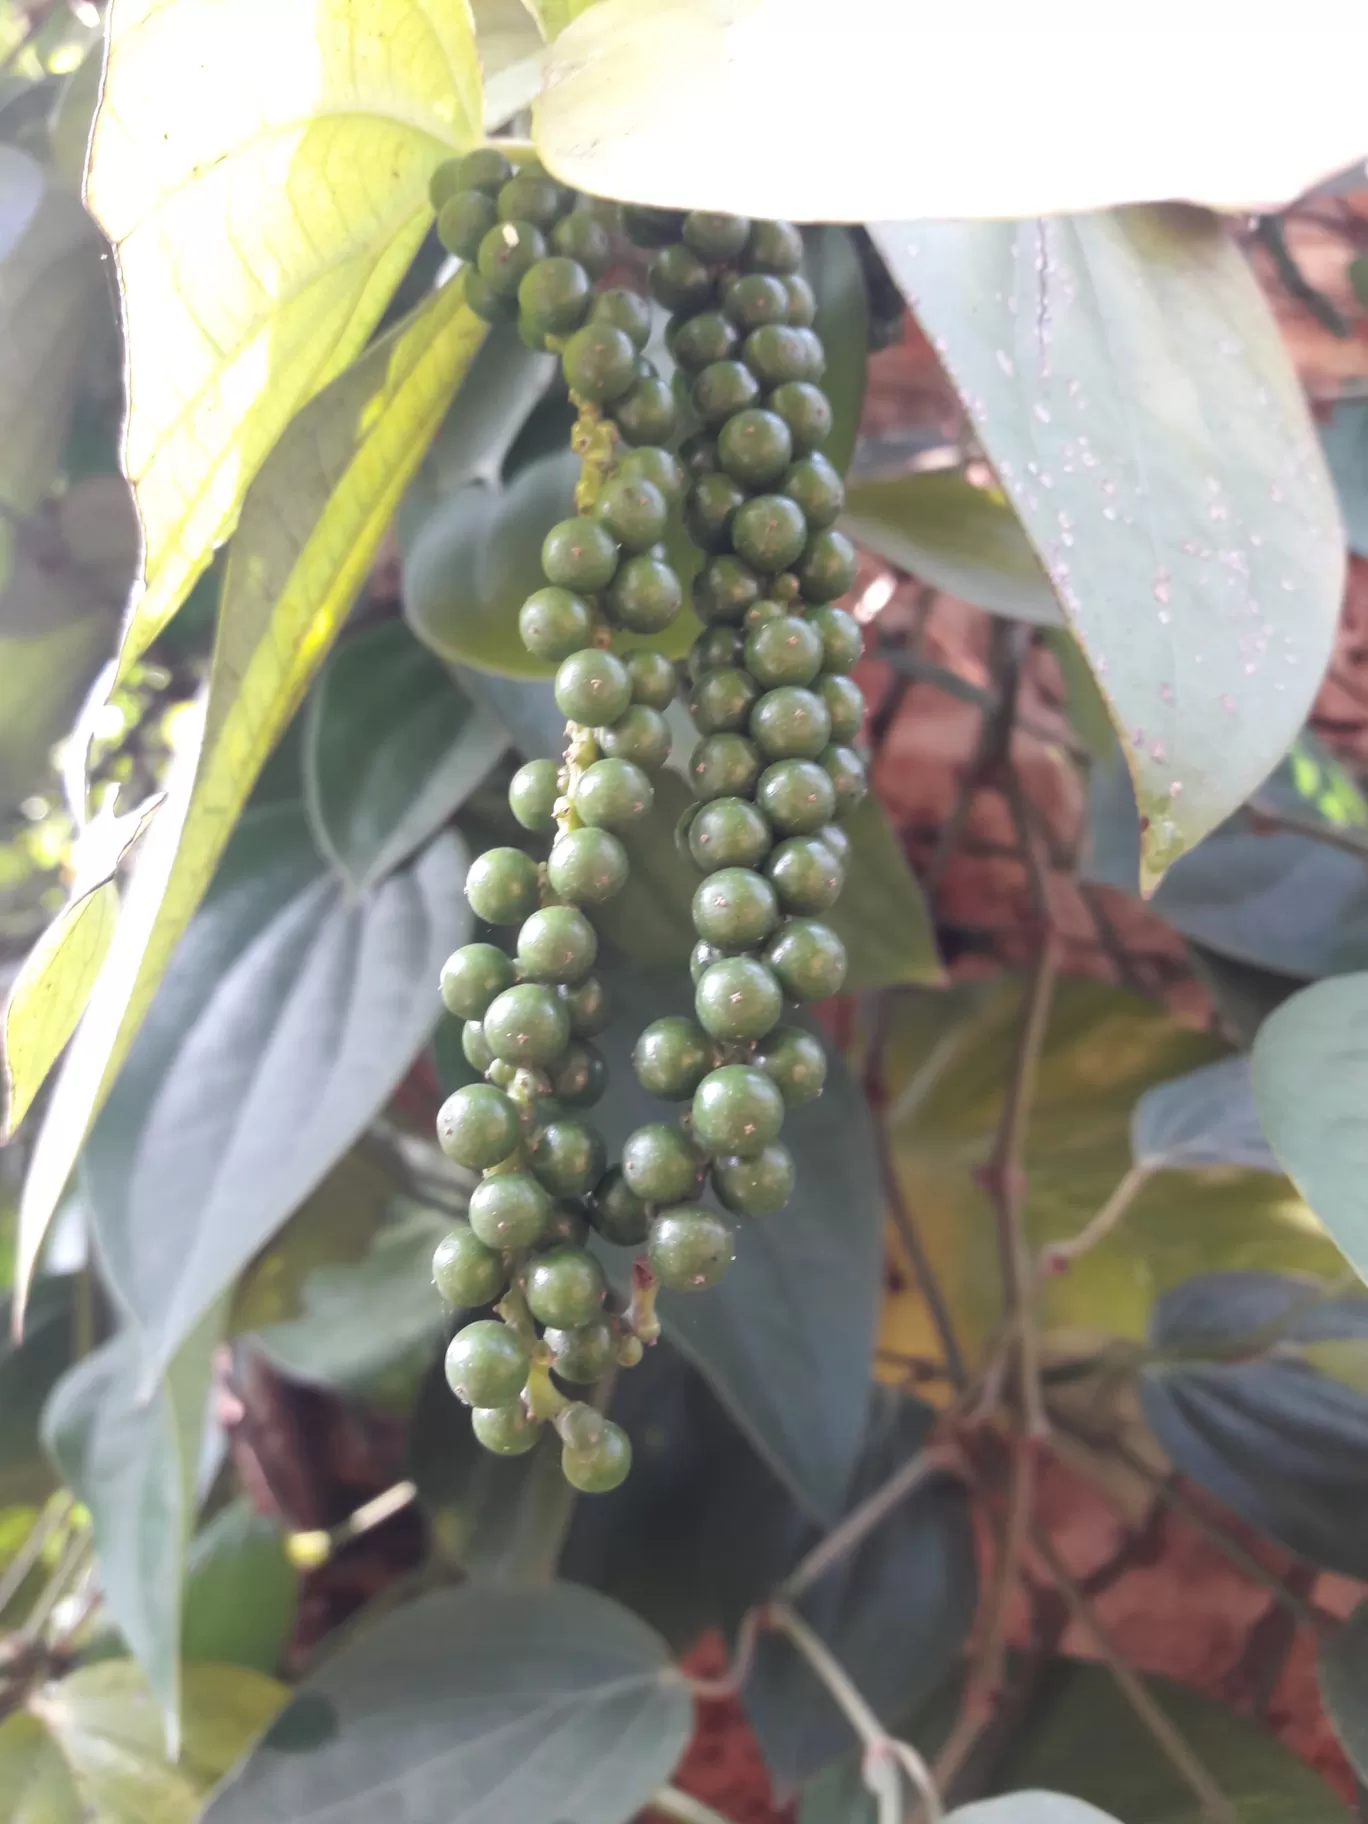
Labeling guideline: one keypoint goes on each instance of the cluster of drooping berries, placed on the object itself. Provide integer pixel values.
(772, 773)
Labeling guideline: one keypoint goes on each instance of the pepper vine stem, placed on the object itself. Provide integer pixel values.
(670, 1802)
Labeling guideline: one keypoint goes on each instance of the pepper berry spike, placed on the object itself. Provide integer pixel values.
(772, 774)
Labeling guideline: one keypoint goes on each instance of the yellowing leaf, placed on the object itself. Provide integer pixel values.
(310, 528)
(1069, 113)
(554, 15)
(262, 168)
(50, 993)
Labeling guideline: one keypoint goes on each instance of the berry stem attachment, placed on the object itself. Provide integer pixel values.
(640, 1316)
(594, 440)
(544, 1400)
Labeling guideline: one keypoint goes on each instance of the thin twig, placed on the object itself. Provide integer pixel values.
(670, 1802)
(1010, 643)
(711, 1690)
(1295, 283)
(1215, 1805)
(879, 1747)
(992, 1658)
(919, 1260)
(1057, 1255)
(862, 1520)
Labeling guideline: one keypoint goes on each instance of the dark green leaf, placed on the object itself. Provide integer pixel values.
(1342, 1672)
(787, 1338)
(130, 1453)
(1127, 380)
(28, 1373)
(1310, 1082)
(1204, 1118)
(956, 537)
(240, 1591)
(1243, 994)
(837, 278)
(882, 916)
(289, 1015)
(1285, 1447)
(1346, 450)
(895, 1612)
(548, 1706)
(391, 751)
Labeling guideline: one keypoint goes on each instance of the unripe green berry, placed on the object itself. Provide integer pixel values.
(475, 1046)
(507, 1431)
(580, 1076)
(553, 623)
(652, 678)
(527, 1025)
(795, 1061)
(680, 280)
(816, 485)
(645, 595)
(502, 886)
(796, 795)
(565, 1288)
(770, 532)
(690, 1248)
(465, 1271)
(634, 512)
(613, 793)
(557, 944)
(845, 705)
(757, 1186)
(484, 169)
(508, 1211)
(702, 340)
(729, 833)
(671, 1058)
(755, 447)
(837, 840)
(754, 300)
(725, 589)
(715, 649)
(737, 1110)
(725, 766)
(567, 1157)
(846, 771)
(599, 363)
(463, 221)
(701, 959)
(581, 237)
(808, 958)
(777, 352)
(790, 723)
(626, 311)
(738, 998)
(840, 636)
(722, 701)
(585, 1354)
(802, 310)
(785, 649)
(587, 867)
(617, 1213)
(714, 236)
(588, 1006)
(710, 509)
(532, 196)
(827, 566)
(646, 412)
(566, 1226)
(554, 295)
(657, 466)
(601, 1469)
(477, 1127)
(806, 410)
(488, 304)
(472, 976)
(735, 908)
(579, 554)
(661, 1164)
(509, 250)
(486, 1364)
(592, 687)
(773, 247)
(532, 794)
(806, 874)
(640, 735)
(723, 389)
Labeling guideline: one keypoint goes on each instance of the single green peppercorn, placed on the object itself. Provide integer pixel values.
(680, 280)
(532, 794)
(827, 566)
(710, 509)
(613, 793)
(737, 1110)
(703, 340)
(502, 886)
(795, 1061)
(565, 1288)
(657, 466)
(735, 908)
(471, 977)
(509, 250)
(484, 169)
(486, 1364)
(785, 649)
(554, 295)
(846, 771)
(802, 310)
(770, 532)
(617, 1213)
(475, 1046)
(776, 353)
(690, 1248)
(465, 1271)
(489, 305)
(585, 1354)
(645, 595)
(579, 554)
(587, 1002)
(738, 998)
(599, 362)
(509, 1211)
(755, 300)
(796, 796)
(725, 589)
(755, 447)
(634, 512)
(840, 636)
(698, 455)
(557, 944)
(725, 766)
(580, 1075)
(627, 311)
(716, 649)
(722, 701)
(601, 1468)
(580, 237)
(806, 410)
(531, 196)
(773, 247)
(567, 1157)
(760, 612)
(640, 735)
(714, 236)
(646, 412)
(527, 1025)
(566, 1226)
(661, 1164)
(587, 867)
(729, 833)
(817, 487)
(722, 389)
(837, 840)
(808, 958)
(671, 1058)
(806, 874)
(845, 705)
(592, 687)
(653, 679)
(790, 724)
(758, 1186)
(463, 223)
(507, 1431)
(554, 623)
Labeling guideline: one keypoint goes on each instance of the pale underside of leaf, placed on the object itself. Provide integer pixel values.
(310, 530)
(262, 210)
(1074, 108)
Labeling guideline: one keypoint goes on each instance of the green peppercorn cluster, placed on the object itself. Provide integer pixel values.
(772, 774)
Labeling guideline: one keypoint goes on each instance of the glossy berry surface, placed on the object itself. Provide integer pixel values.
(671, 1058)
(617, 1213)
(465, 1271)
(660, 1164)
(690, 1248)
(584, 1354)
(601, 1468)
(567, 1157)
(806, 874)
(808, 958)
(557, 944)
(477, 1126)
(472, 976)
(757, 1186)
(613, 794)
(738, 997)
(729, 833)
(486, 1364)
(587, 866)
(790, 723)
(527, 1025)
(555, 622)
(592, 687)
(502, 886)
(532, 794)
(577, 554)
(735, 909)
(565, 1288)
(507, 1431)
(509, 1210)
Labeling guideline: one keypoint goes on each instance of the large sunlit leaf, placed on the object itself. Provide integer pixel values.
(263, 205)
(309, 531)
(1311, 1090)
(548, 1706)
(290, 1013)
(1128, 382)
(1060, 123)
